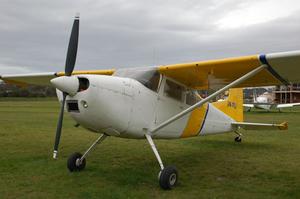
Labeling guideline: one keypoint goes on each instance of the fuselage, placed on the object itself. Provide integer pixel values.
(124, 107)
(264, 101)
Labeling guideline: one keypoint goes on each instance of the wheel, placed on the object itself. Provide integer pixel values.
(168, 177)
(74, 163)
(238, 139)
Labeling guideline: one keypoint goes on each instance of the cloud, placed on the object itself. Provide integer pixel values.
(119, 33)
(13, 69)
(256, 12)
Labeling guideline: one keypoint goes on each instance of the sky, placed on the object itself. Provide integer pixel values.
(34, 34)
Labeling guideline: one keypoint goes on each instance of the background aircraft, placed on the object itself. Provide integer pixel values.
(160, 102)
(266, 101)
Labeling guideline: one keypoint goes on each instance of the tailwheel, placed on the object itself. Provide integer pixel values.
(238, 139)
(168, 177)
(75, 163)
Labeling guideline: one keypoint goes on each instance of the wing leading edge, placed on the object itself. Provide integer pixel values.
(44, 78)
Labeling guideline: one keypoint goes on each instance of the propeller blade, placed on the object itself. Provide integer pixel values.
(69, 67)
(59, 126)
(72, 49)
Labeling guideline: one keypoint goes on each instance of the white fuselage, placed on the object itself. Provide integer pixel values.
(123, 107)
(264, 101)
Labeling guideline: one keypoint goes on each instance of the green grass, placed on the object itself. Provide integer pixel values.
(265, 165)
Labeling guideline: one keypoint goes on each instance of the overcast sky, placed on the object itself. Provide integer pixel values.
(34, 34)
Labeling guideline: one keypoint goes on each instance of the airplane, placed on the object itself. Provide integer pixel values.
(265, 101)
(160, 102)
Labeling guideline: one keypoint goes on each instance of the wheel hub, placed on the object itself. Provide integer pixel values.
(172, 179)
(78, 162)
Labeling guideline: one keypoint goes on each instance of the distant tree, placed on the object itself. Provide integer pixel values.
(9, 90)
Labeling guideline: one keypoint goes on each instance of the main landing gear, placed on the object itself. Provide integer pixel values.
(77, 162)
(168, 176)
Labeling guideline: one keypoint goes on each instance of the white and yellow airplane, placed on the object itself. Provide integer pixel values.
(160, 102)
(266, 101)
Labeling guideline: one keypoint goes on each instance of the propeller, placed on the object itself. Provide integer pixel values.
(69, 67)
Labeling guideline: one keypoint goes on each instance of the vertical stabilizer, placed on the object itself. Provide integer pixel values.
(233, 105)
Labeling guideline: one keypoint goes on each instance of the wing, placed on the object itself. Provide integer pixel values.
(26, 79)
(260, 126)
(282, 68)
(287, 105)
(44, 78)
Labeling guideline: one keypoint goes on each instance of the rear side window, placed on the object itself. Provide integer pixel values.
(192, 98)
(173, 90)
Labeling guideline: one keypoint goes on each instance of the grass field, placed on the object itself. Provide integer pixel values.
(265, 165)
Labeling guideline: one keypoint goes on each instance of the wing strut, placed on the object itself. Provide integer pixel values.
(203, 101)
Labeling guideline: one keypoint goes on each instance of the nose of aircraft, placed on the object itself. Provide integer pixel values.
(66, 84)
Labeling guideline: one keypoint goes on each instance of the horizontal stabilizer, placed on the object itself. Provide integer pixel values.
(260, 126)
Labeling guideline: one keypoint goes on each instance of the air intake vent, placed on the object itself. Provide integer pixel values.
(83, 84)
(72, 106)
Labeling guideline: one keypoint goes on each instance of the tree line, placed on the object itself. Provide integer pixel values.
(9, 90)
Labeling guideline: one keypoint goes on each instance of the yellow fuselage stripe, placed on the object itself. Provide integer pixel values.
(195, 122)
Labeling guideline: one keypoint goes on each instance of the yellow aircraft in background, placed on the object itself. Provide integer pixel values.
(160, 102)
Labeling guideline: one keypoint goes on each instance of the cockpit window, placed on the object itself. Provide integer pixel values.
(84, 84)
(149, 77)
(174, 90)
(152, 82)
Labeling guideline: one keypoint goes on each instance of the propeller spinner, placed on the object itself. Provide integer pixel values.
(58, 82)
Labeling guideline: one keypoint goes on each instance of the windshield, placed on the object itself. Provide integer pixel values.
(149, 76)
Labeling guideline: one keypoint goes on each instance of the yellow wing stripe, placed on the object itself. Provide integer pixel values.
(89, 72)
(195, 122)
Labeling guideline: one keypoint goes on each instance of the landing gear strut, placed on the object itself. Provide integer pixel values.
(77, 162)
(168, 176)
(238, 138)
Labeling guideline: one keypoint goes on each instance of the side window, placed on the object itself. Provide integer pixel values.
(173, 90)
(192, 98)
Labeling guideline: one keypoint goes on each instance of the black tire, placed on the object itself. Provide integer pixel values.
(72, 165)
(238, 139)
(168, 177)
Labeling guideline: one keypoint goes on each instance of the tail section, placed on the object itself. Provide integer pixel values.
(233, 105)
